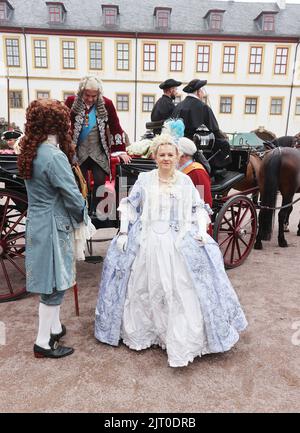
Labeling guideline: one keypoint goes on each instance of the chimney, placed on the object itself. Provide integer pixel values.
(281, 4)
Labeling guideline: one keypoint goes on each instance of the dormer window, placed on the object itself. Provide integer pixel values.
(162, 17)
(56, 11)
(110, 15)
(266, 21)
(5, 10)
(214, 19)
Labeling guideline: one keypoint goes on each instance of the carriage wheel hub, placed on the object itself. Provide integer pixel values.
(242, 233)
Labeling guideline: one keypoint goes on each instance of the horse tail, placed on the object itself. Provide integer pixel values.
(269, 195)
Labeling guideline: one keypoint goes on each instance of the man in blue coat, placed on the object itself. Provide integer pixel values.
(55, 209)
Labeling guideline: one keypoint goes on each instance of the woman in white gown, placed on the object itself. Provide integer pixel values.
(163, 281)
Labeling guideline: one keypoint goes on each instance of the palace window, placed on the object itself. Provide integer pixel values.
(12, 52)
(226, 104)
(149, 57)
(203, 55)
(123, 102)
(122, 56)
(95, 48)
(68, 54)
(162, 17)
(5, 10)
(177, 99)
(281, 60)
(214, 19)
(42, 94)
(56, 11)
(148, 102)
(229, 59)
(110, 15)
(266, 21)
(268, 24)
(255, 63)
(250, 105)
(176, 57)
(40, 53)
(276, 106)
(297, 108)
(15, 99)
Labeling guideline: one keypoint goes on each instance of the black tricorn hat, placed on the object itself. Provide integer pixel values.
(169, 83)
(194, 85)
(11, 134)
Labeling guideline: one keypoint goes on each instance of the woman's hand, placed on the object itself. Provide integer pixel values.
(202, 237)
(122, 241)
(125, 158)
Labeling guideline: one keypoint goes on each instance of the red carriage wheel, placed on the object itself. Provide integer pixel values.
(235, 230)
(13, 210)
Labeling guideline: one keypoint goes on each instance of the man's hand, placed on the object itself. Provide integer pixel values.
(125, 158)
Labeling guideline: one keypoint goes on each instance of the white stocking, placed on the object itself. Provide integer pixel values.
(46, 316)
(56, 325)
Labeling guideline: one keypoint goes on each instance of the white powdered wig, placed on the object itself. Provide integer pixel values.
(186, 146)
(90, 82)
(161, 139)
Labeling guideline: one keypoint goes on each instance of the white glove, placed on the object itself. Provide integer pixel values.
(201, 237)
(122, 241)
(203, 222)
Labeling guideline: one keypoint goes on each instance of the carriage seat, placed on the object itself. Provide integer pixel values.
(230, 178)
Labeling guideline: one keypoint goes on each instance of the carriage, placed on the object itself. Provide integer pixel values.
(234, 218)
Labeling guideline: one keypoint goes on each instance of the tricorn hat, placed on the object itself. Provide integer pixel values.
(194, 85)
(169, 83)
(11, 134)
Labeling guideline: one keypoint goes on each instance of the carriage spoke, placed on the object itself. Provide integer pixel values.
(15, 237)
(243, 216)
(17, 253)
(238, 248)
(228, 222)
(4, 214)
(237, 218)
(15, 224)
(16, 266)
(232, 250)
(233, 217)
(227, 248)
(6, 276)
(242, 240)
(226, 239)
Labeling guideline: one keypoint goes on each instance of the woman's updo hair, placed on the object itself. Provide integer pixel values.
(160, 140)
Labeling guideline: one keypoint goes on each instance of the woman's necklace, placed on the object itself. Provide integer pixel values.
(168, 181)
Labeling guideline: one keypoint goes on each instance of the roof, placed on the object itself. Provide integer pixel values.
(137, 16)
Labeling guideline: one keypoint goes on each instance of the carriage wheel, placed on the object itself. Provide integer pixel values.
(13, 210)
(235, 230)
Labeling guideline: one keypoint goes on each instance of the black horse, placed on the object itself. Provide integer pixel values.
(280, 170)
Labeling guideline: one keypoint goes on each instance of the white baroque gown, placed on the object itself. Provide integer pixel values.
(167, 289)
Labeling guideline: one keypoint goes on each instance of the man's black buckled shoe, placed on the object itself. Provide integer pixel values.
(57, 337)
(55, 351)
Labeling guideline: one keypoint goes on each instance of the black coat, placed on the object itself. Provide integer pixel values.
(195, 113)
(162, 110)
